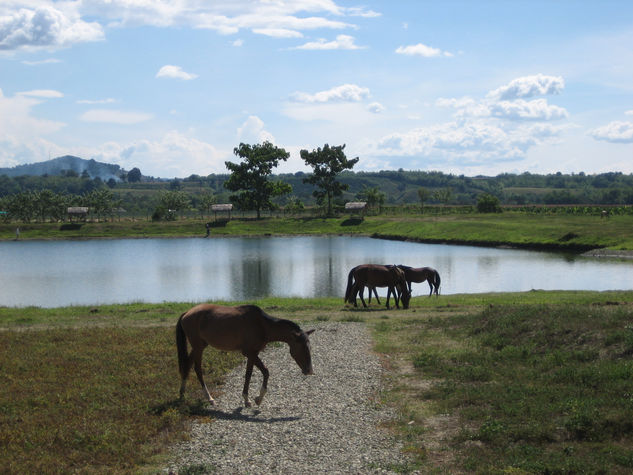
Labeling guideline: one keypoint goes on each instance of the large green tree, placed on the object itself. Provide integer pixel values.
(327, 163)
(250, 177)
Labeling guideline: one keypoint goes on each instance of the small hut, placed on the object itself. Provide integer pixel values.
(356, 207)
(79, 212)
(222, 208)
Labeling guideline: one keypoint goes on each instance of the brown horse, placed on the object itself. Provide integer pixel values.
(420, 274)
(247, 329)
(373, 275)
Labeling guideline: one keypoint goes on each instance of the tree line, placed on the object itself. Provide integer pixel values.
(252, 185)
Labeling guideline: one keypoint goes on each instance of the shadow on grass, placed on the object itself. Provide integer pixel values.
(352, 221)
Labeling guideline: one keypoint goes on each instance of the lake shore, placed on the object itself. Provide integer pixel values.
(570, 233)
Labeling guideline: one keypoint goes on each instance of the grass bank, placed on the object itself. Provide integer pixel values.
(560, 231)
(525, 382)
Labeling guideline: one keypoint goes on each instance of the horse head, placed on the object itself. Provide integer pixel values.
(405, 297)
(300, 350)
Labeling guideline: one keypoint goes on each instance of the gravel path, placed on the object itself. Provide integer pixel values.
(325, 423)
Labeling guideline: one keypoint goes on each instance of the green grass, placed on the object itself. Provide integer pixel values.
(520, 388)
(534, 381)
(559, 231)
(92, 399)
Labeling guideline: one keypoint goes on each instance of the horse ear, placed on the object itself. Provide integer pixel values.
(310, 332)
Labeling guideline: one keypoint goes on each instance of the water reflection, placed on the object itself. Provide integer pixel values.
(155, 270)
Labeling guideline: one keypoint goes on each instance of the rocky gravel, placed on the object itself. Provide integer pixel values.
(330, 422)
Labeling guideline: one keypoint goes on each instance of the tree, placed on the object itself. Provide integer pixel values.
(487, 203)
(206, 200)
(423, 195)
(250, 177)
(443, 196)
(134, 175)
(326, 164)
(169, 203)
(373, 196)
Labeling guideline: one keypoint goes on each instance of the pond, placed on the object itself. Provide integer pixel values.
(57, 273)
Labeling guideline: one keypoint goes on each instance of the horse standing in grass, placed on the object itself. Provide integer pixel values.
(420, 274)
(373, 275)
(246, 328)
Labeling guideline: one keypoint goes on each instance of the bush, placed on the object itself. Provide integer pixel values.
(487, 203)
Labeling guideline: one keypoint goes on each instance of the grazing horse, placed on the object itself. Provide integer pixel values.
(420, 274)
(246, 328)
(373, 275)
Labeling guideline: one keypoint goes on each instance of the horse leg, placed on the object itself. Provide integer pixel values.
(396, 297)
(265, 374)
(196, 355)
(375, 293)
(247, 381)
(361, 296)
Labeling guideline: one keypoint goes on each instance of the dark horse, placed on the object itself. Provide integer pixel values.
(420, 274)
(373, 275)
(247, 329)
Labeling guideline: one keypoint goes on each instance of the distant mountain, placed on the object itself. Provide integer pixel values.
(61, 165)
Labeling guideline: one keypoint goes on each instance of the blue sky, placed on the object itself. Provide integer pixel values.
(463, 87)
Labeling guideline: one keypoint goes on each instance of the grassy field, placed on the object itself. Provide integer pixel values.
(534, 382)
(559, 231)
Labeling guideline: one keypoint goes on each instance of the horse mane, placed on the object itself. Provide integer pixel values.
(292, 326)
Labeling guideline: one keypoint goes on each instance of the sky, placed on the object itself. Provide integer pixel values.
(464, 87)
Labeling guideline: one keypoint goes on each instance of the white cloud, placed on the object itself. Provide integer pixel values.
(422, 50)
(616, 132)
(174, 72)
(629, 112)
(238, 43)
(343, 93)
(278, 32)
(361, 12)
(174, 155)
(41, 62)
(115, 116)
(224, 17)
(465, 106)
(519, 109)
(529, 86)
(29, 27)
(477, 141)
(488, 130)
(42, 93)
(375, 107)
(343, 42)
(253, 131)
(108, 100)
(18, 142)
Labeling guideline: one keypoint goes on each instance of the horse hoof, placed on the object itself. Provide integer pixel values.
(247, 404)
(258, 400)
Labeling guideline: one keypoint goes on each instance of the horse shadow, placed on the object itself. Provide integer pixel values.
(200, 408)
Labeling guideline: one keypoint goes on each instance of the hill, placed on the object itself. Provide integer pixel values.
(66, 165)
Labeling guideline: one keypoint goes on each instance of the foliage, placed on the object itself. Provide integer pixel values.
(134, 175)
(326, 164)
(487, 203)
(250, 178)
(400, 188)
(170, 203)
(423, 195)
(373, 196)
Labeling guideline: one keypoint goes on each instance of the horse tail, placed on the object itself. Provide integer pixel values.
(348, 291)
(437, 281)
(181, 344)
